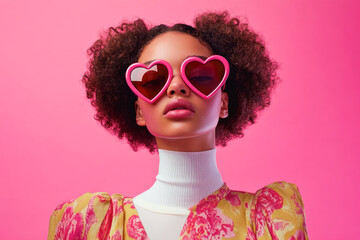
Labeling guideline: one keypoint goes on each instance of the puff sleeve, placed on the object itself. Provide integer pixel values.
(277, 212)
(90, 216)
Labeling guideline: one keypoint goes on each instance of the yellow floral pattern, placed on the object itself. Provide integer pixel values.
(273, 212)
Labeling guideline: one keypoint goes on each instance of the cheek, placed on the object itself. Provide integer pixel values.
(211, 111)
(150, 114)
(214, 105)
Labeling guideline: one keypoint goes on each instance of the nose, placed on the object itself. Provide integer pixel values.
(178, 87)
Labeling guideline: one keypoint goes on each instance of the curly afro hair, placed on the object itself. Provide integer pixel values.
(251, 81)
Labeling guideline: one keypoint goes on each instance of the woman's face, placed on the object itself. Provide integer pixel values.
(191, 125)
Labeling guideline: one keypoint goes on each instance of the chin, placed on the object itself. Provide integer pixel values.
(175, 135)
(181, 134)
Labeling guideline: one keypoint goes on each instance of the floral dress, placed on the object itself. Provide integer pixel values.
(273, 212)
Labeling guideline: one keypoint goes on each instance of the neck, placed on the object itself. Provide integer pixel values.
(203, 142)
(183, 180)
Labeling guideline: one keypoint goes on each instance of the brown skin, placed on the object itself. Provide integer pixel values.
(194, 133)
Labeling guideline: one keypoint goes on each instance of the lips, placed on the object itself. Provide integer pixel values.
(178, 104)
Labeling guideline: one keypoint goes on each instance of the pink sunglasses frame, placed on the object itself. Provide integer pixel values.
(182, 73)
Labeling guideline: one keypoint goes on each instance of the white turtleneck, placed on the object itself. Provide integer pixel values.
(183, 180)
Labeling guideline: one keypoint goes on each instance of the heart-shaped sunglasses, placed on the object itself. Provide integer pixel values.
(203, 77)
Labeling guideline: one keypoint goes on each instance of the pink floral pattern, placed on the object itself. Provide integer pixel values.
(116, 236)
(267, 200)
(233, 199)
(250, 234)
(90, 217)
(298, 205)
(60, 206)
(211, 224)
(70, 227)
(135, 228)
(225, 214)
(106, 223)
(299, 235)
(280, 226)
(206, 221)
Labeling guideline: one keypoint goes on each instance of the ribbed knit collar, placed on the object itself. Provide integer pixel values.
(184, 178)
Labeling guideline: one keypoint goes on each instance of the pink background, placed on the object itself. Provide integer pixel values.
(52, 150)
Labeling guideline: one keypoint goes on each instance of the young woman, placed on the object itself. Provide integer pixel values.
(182, 90)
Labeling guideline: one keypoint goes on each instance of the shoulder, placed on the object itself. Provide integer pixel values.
(277, 211)
(279, 194)
(89, 215)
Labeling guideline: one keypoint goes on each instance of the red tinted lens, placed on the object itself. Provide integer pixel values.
(149, 81)
(205, 77)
